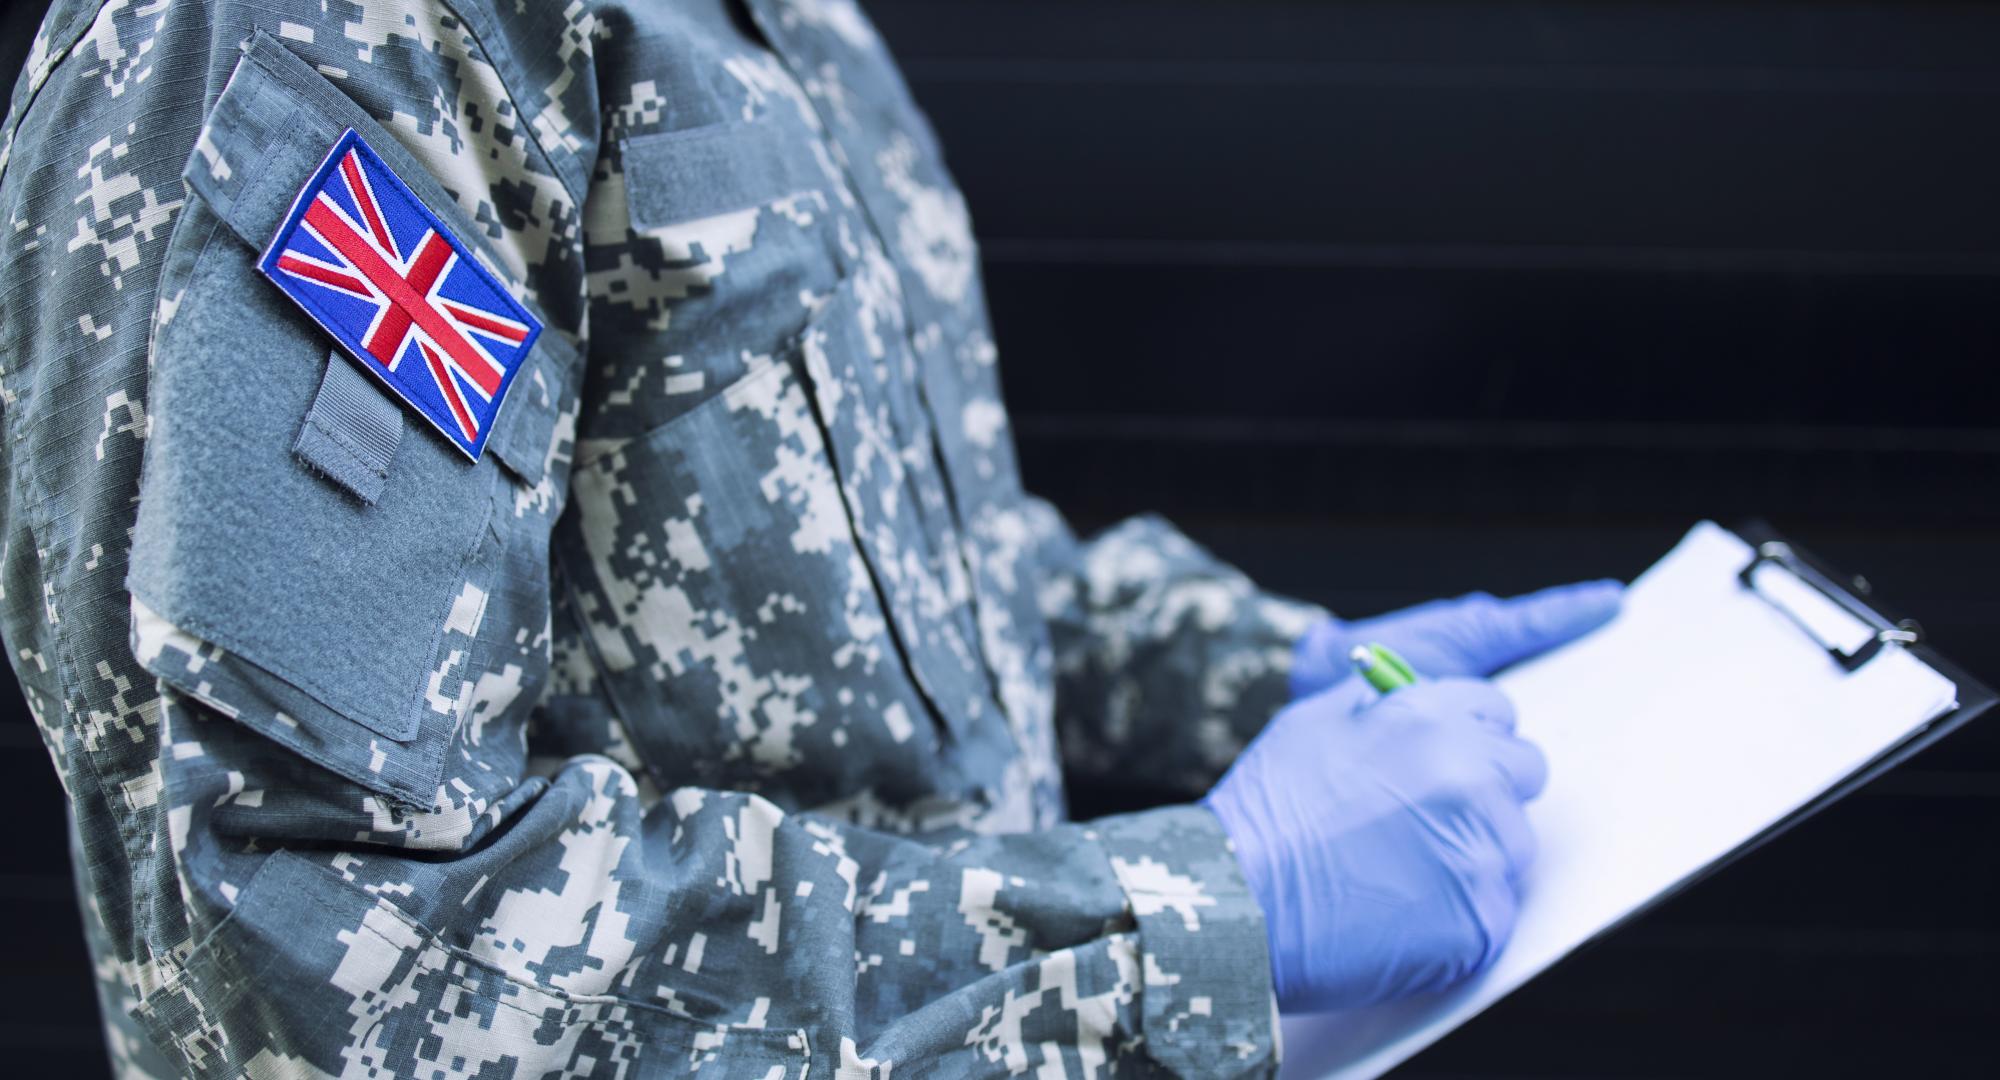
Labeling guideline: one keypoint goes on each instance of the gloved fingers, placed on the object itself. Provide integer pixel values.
(1478, 634)
(1425, 634)
(1495, 900)
(1319, 660)
(1517, 841)
(1311, 728)
(1522, 763)
(1503, 632)
(1453, 699)
(1414, 614)
(1344, 699)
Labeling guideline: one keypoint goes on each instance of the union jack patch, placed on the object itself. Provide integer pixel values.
(381, 273)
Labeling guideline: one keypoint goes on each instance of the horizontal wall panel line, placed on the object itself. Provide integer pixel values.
(1112, 72)
(85, 1038)
(1816, 34)
(1090, 251)
(1941, 784)
(1455, 435)
(37, 888)
(1831, 940)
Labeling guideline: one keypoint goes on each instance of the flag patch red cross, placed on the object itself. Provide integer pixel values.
(363, 255)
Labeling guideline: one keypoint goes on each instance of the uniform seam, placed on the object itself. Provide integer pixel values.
(620, 712)
(143, 853)
(55, 60)
(135, 842)
(432, 937)
(499, 51)
(906, 651)
(565, 557)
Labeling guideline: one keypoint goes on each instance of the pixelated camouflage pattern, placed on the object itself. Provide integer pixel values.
(710, 723)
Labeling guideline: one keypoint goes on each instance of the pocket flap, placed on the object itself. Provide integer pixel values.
(528, 418)
(677, 176)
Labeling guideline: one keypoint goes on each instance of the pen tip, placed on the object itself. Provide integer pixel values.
(1362, 655)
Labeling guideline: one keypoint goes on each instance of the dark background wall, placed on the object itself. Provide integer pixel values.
(1391, 300)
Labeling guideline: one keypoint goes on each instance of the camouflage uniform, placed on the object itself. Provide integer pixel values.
(709, 721)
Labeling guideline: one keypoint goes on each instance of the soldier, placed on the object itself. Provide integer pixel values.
(513, 545)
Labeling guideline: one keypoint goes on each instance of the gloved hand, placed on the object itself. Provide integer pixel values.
(1383, 837)
(1472, 635)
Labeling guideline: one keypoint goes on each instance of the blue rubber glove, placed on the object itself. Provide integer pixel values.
(1383, 837)
(1472, 635)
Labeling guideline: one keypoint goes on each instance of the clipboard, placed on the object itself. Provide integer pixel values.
(1750, 568)
(1857, 599)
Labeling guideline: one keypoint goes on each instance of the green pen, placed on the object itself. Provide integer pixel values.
(1384, 670)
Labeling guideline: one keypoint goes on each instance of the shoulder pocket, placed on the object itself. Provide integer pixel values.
(322, 620)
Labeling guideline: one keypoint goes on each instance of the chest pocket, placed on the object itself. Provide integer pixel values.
(772, 601)
(348, 629)
(699, 252)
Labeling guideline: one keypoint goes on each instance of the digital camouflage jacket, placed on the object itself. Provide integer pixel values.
(714, 719)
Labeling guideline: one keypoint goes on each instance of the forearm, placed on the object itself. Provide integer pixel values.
(1168, 659)
(710, 926)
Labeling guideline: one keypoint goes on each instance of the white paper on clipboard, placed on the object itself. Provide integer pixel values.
(1697, 719)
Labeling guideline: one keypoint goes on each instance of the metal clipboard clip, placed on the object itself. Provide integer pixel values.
(1803, 595)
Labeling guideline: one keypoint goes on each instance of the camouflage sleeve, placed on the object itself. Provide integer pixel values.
(1168, 660)
(588, 936)
(347, 800)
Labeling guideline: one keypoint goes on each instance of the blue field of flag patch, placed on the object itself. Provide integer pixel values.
(374, 266)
